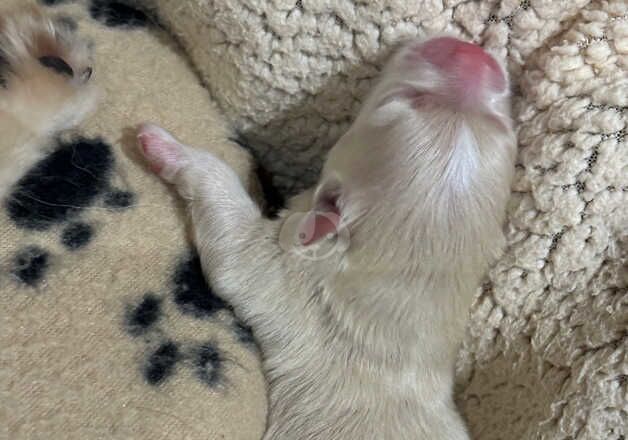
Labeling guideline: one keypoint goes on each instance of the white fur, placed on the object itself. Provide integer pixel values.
(361, 344)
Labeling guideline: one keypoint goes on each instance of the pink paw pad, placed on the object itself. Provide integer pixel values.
(161, 150)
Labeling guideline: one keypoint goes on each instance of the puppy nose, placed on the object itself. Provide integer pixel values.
(57, 64)
(465, 63)
(86, 75)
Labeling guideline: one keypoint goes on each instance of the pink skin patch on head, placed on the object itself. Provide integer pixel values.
(160, 149)
(467, 62)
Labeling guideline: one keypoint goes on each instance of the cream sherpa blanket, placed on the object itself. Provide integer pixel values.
(545, 353)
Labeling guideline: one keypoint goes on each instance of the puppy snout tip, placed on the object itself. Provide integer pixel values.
(57, 64)
(466, 62)
(61, 67)
(86, 74)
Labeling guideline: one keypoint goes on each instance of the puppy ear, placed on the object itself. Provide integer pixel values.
(324, 220)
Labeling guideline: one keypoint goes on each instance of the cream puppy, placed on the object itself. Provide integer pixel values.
(44, 87)
(358, 294)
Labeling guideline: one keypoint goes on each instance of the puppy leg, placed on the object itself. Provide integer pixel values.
(233, 240)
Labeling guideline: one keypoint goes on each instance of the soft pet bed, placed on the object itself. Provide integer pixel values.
(107, 327)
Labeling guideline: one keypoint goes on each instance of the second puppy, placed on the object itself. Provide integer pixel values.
(45, 87)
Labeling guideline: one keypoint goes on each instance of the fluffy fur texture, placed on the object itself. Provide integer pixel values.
(360, 342)
(45, 86)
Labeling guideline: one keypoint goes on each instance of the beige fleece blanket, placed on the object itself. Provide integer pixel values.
(107, 328)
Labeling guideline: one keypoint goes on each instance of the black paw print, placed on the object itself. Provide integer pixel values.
(30, 264)
(56, 191)
(207, 362)
(195, 298)
(117, 14)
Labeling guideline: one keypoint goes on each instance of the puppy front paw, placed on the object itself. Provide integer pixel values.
(45, 71)
(164, 154)
(197, 174)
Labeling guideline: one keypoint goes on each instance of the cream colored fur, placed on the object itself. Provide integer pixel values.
(36, 101)
(361, 344)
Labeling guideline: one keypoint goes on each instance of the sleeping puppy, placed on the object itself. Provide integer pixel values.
(358, 294)
(44, 87)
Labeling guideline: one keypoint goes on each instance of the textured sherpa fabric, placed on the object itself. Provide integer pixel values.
(107, 329)
(291, 74)
(545, 354)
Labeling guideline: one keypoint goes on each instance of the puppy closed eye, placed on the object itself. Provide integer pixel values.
(415, 97)
(57, 64)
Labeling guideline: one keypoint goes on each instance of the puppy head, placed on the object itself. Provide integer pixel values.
(45, 70)
(428, 161)
(28, 35)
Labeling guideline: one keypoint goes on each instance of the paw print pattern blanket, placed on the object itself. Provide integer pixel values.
(107, 327)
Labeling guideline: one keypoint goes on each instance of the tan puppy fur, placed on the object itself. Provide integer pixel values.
(44, 87)
(359, 303)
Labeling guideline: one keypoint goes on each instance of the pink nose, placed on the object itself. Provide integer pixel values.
(467, 63)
